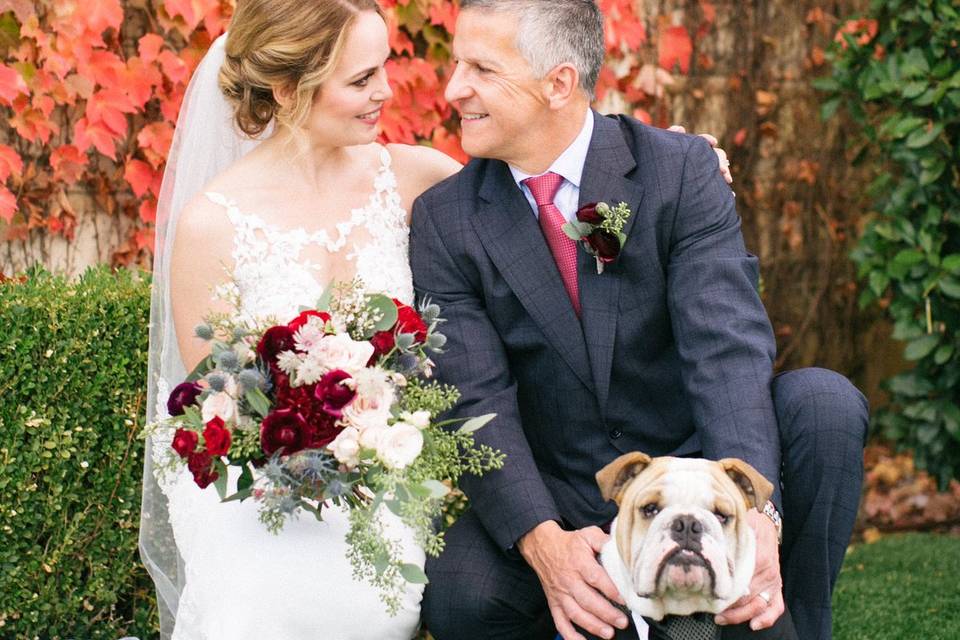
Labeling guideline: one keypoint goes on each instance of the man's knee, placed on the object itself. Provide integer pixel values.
(819, 403)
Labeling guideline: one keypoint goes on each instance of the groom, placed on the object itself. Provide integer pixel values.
(668, 351)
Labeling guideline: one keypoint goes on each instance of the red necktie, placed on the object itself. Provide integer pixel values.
(544, 189)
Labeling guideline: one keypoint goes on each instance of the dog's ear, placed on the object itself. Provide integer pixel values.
(755, 488)
(615, 476)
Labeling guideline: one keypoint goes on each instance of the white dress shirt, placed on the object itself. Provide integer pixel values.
(570, 166)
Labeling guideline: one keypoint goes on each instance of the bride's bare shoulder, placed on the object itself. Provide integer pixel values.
(418, 167)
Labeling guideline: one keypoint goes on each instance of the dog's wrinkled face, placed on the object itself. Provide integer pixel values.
(682, 538)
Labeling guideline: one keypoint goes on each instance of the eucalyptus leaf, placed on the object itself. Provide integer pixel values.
(245, 481)
(475, 424)
(385, 308)
(436, 488)
(258, 401)
(221, 482)
(203, 368)
(413, 574)
(239, 495)
(323, 302)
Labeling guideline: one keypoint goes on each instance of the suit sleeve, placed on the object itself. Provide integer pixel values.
(723, 335)
(513, 500)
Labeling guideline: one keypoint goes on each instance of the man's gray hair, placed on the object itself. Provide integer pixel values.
(552, 32)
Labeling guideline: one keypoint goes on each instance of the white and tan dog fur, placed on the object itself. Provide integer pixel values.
(681, 542)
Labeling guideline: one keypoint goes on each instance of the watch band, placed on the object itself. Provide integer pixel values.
(771, 512)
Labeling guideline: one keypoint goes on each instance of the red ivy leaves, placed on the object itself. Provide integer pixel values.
(676, 49)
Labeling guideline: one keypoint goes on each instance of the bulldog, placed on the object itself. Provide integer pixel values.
(681, 542)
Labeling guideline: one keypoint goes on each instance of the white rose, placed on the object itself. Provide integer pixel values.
(419, 419)
(399, 445)
(220, 405)
(370, 438)
(342, 352)
(346, 447)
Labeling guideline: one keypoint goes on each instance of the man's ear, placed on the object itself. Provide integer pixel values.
(755, 488)
(615, 476)
(562, 85)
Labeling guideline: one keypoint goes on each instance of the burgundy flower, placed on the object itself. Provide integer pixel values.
(285, 431)
(183, 395)
(605, 244)
(274, 341)
(333, 393)
(200, 464)
(217, 437)
(588, 213)
(301, 319)
(185, 442)
(323, 430)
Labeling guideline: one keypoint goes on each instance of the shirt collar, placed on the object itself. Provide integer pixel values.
(571, 161)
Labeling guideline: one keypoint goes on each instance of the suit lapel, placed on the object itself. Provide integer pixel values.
(608, 161)
(512, 238)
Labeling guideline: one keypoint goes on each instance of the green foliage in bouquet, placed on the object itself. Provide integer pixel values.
(72, 381)
(896, 71)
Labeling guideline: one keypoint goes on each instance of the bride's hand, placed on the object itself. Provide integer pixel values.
(721, 154)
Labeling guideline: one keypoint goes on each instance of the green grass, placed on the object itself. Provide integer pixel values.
(904, 587)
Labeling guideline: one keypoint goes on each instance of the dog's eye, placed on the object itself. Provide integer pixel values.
(722, 517)
(650, 510)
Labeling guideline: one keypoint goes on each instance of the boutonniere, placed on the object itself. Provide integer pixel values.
(600, 228)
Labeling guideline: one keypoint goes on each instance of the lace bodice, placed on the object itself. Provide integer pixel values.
(274, 277)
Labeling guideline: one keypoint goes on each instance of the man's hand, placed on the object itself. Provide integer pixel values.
(766, 580)
(576, 585)
(721, 154)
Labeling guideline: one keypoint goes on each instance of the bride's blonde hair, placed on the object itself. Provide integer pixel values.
(288, 44)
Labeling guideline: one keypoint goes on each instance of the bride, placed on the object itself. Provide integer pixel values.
(303, 196)
(309, 199)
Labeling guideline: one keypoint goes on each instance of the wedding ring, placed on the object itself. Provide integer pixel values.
(763, 595)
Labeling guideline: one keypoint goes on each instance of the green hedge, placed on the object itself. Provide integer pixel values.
(72, 393)
(899, 79)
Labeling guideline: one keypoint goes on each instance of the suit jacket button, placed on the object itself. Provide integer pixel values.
(615, 433)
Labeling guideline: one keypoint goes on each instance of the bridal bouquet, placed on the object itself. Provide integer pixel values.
(334, 406)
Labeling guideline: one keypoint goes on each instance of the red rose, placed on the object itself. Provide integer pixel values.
(183, 395)
(301, 319)
(217, 437)
(285, 431)
(605, 244)
(200, 465)
(408, 321)
(185, 442)
(382, 342)
(334, 395)
(274, 341)
(588, 213)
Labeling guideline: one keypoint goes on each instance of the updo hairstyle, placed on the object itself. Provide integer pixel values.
(294, 44)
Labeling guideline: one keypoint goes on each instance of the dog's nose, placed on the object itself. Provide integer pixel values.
(686, 530)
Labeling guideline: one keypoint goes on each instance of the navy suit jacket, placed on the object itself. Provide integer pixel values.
(673, 352)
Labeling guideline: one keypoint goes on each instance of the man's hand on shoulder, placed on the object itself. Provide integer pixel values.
(577, 587)
(766, 582)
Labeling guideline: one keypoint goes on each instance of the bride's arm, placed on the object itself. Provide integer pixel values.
(199, 262)
(417, 169)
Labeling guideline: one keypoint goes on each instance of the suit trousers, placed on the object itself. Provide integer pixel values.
(478, 591)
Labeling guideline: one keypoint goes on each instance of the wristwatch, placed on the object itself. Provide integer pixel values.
(771, 512)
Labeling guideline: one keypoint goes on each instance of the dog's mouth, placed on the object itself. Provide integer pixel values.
(686, 569)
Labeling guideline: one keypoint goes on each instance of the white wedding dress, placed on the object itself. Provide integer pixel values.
(242, 582)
